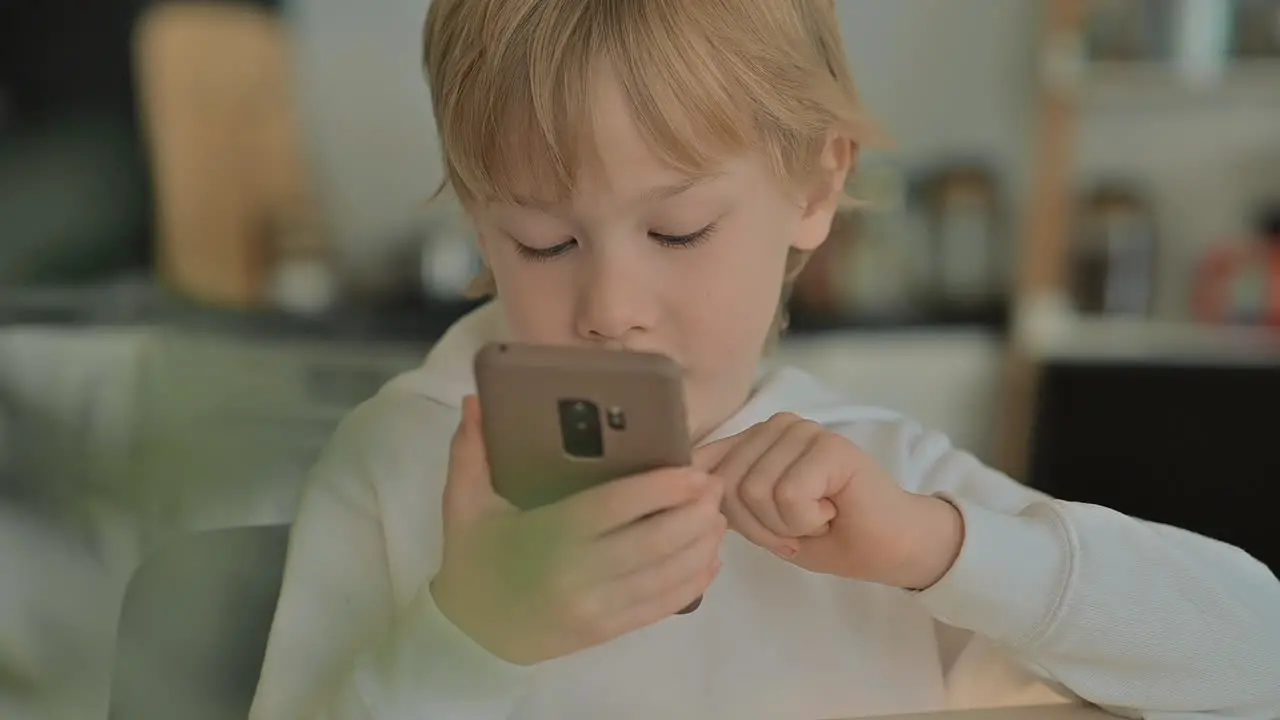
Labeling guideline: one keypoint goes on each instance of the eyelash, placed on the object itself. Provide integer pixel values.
(677, 242)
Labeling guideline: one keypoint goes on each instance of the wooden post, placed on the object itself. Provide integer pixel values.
(1042, 268)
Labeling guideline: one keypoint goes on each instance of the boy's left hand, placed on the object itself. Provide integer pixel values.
(817, 500)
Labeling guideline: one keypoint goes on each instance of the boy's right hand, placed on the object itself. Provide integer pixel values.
(537, 585)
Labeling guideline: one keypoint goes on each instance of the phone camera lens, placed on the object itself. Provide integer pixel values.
(580, 432)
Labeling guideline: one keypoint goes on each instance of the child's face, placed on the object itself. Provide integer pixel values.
(645, 258)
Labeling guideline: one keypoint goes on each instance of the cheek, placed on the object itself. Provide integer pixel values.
(735, 285)
(534, 297)
(752, 258)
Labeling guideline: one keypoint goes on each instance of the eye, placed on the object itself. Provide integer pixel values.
(684, 241)
(536, 254)
(544, 254)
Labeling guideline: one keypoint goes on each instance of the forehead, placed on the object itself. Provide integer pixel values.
(615, 158)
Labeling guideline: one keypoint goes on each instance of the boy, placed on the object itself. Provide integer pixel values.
(649, 175)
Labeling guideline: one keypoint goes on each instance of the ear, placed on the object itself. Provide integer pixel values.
(824, 198)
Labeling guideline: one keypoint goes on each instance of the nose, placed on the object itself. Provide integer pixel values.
(616, 299)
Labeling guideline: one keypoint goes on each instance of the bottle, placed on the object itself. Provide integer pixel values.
(1269, 227)
(970, 258)
(1114, 268)
(877, 270)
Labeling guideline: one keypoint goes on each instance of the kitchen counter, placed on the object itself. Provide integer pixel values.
(142, 303)
(1056, 334)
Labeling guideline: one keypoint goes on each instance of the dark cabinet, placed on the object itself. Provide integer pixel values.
(1187, 443)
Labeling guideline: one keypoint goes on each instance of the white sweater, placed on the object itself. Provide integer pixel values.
(1143, 619)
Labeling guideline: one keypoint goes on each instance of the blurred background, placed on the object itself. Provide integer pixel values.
(214, 243)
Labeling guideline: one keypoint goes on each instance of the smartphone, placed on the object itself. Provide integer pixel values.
(560, 420)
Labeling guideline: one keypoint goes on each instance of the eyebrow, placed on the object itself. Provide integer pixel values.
(659, 193)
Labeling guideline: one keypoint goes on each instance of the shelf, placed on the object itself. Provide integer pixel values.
(1086, 339)
(1138, 84)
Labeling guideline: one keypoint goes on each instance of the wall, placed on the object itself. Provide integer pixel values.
(948, 78)
(368, 114)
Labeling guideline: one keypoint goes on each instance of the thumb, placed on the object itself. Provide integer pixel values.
(469, 489)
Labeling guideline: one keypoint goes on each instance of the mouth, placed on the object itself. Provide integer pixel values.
(646, 351)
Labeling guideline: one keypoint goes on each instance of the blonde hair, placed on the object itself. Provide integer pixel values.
(707, 80)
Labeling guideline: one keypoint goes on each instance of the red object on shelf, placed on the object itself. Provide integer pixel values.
(1273, 317)
(1239, 284)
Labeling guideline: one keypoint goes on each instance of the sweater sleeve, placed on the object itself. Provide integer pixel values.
(341, 647)
(1143, 619)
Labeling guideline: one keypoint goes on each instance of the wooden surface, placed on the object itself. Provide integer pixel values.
(1051, 712)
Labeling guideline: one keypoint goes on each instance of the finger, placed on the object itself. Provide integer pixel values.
(652, 583)
(468, 438)
(468, 488)
(709, 457)
(768, 482)
(826, 509)
(751, 444)
(657, 538)
(817, 476)
(613, 505)
(742, 521)
(666, 604)
(735, 464)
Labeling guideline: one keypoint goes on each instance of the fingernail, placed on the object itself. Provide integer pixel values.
(786, 552)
